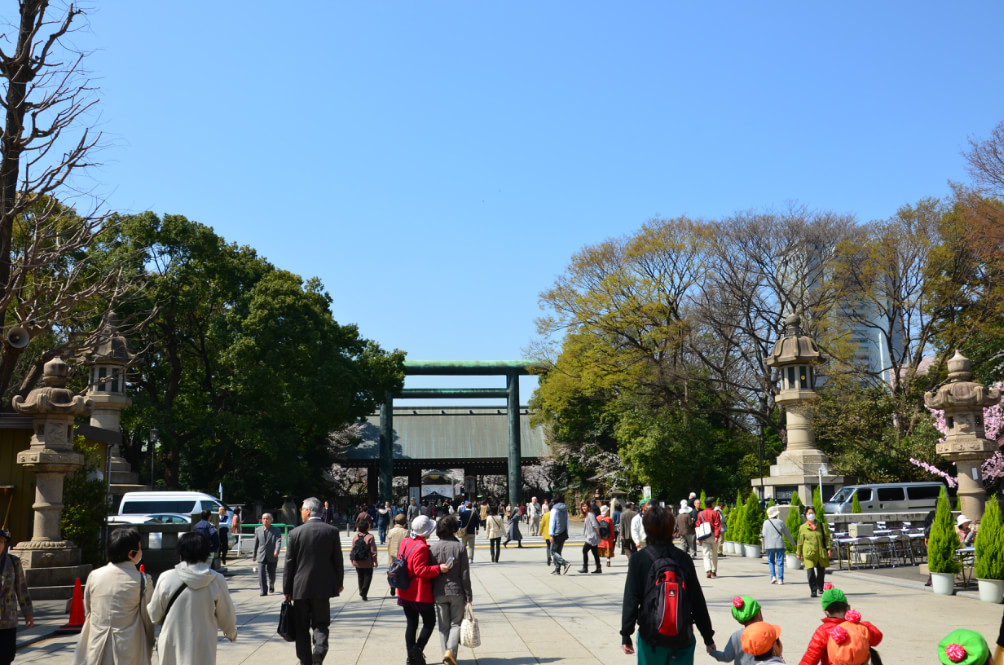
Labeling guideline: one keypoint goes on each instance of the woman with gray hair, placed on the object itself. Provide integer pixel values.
(452, 589)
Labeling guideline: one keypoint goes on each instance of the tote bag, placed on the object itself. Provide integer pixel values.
(470, 634)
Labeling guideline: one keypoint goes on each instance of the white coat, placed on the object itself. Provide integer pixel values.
(189, 631)
(117, 628)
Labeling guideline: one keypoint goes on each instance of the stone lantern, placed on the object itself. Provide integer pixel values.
(966, 443)
(107, 362)
(801, 466)
(50, 456)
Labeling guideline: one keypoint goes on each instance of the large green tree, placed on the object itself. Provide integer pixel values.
(243, 370)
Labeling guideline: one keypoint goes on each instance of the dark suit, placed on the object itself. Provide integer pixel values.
(312, 576)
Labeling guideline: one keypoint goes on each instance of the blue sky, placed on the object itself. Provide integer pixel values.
(437, 164)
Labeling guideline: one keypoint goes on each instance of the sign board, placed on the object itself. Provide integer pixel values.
(646, 493)
(783, 493)
(470, 484)
(415, 493)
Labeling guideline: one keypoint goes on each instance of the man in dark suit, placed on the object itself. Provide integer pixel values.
(312, 576)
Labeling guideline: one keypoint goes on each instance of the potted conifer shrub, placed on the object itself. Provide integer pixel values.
(732, 535)
(752, 522)
(855, 504)
(941, 546)
(794, 521)
(989, 569)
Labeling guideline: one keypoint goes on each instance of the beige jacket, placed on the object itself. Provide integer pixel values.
(394, 538)
(494, 526)
(118, 628)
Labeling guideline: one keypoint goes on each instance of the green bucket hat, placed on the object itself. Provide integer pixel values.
(744, 609)
(832, 594)
(963, 647)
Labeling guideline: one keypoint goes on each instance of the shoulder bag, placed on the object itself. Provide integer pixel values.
(470, 634)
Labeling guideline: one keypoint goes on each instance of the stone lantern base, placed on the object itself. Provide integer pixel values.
(51, 568)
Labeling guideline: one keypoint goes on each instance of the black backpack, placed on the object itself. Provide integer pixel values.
(397, 575)
(359, 551)
(664, 619)
(604, 529)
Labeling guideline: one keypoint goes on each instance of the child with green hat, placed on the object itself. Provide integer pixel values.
(964, 647)
(837, 611)
(746, 611)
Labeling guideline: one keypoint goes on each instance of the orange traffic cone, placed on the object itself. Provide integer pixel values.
(76, 622)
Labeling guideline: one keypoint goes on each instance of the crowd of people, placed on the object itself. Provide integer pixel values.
(192, 604)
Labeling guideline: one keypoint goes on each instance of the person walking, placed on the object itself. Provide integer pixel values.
(685, 519)
(223, 534)
(615, 516)
(313, 575)
(413, 511)
(638, 525)
(206, 528)
(513, 532)
(813, 549)
(558, 527)
(236, 522)
(653, 647)
(384, 515)
(13, 594)
(591, 534)
(493, 528)
(725, 528)
(628, 546)
(545, 522)
(192, 603)
(394, 537)
(363, 556)
(469, 523)
(533, 512)
(417, 600)
(709, 543)
(452, 589)
(118, 628)
(773, 533)
(606, 546)
(267, 543)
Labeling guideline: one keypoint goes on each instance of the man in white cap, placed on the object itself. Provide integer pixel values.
(533, 512)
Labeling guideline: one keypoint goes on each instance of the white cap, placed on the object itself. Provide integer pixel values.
(423, 526)
(962, 519)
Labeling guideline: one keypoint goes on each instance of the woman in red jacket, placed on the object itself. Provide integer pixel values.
(417, 600)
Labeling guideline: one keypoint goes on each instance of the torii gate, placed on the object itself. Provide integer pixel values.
(511, 369)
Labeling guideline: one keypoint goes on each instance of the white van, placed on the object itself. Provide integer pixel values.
(886, 498)
(185, 503)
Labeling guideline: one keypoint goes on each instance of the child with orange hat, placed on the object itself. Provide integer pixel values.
(746, 611)
(762, 640)
(837, 611)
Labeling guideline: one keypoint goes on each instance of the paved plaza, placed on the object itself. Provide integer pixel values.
(528, 615)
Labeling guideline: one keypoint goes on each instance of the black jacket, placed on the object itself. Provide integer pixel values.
(314, 567)
(639, 566)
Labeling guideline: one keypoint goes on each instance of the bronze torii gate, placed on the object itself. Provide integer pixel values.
(511, 369)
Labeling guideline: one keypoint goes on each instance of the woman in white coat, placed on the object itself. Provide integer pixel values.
(117, 628)
(192, 602)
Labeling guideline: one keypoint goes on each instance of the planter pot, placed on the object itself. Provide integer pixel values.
(943, 583)
(991, 591)
(751, 551)
(730, 547)
(792, 562)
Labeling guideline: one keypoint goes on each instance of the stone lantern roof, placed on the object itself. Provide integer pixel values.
(960, 392)
(54, 397)
(794, 347)
(111, 347)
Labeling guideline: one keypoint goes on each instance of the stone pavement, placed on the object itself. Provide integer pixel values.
(528, 615)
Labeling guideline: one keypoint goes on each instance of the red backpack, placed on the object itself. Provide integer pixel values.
(664, 619)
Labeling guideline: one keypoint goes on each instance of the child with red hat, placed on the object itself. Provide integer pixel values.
(838, 612)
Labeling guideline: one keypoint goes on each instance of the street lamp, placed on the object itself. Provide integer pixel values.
(153, 445)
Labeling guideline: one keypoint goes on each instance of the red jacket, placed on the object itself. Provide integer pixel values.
(421, 572)
(816, 652)
(711, 516)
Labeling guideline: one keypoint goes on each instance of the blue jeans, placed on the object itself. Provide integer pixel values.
(776, 558)
(382, 528)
